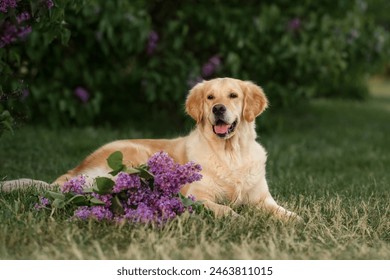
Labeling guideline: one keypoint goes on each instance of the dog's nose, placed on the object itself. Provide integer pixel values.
(219, 109)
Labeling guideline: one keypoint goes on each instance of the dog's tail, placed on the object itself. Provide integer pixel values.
(19, 184)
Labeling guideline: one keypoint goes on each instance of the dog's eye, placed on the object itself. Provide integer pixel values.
(233, 95)
(210, 97)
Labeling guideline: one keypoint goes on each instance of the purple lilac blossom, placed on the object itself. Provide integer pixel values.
(140, 202)
(49, 4)
(24, 16)
(25, 94)
(126, 181)
(83, 212)
(74, 185)
(10, 32)
(169, 207)
(101, 213)
(144, 193)
(96, 212)
(82, 94)
(170, 176)
(43, 202)
(294, 25)
(106, 198)
(143, 213)
(152, 42)
(172, 181)
(24, 31)
(211, 66)
(7, 4)
(160, 163)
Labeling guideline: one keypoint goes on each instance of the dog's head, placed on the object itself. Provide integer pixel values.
(223, 103)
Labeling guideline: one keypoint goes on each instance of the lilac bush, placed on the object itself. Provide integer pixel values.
(7, 4)
(18, 19)
(19, 27)
(120, 59)
(149, 193)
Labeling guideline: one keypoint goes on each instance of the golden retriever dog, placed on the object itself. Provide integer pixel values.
(223, 143)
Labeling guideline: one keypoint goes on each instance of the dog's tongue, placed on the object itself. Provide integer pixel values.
(221, 128)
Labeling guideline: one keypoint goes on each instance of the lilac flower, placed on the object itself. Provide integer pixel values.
(137, 196)
(106, 198)
(140, 200)
(25, 94)
(152, 42)
(22, 17)
(170, 176)
(24, 31)
(6, 4)
(96, 212)
(43, 203)
(82, 94)
(160, 163)
(294, 25)
(74, 185)
(169, 207)
(9, 32)
(171, 181)
(49, 4)
(126, 181)
(211, 66)
(189, 172)
(143, 213)
(101, 213)
(83, 212)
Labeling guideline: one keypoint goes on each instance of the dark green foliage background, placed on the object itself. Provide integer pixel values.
(102, 47)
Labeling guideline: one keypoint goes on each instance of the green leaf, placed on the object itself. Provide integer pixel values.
(104, 185)
(56, 195)
(7, 126)
(144, 173)
(58, 203)
(88, 190)
(95, 201)
(115, 162)
(197, 205)
(78, 200)
(131, 170)
(186, 201)
(65, 36)
(116, 205)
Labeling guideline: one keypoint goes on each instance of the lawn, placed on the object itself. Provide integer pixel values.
(329, 163)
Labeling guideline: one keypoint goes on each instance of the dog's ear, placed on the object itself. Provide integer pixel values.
(255, 101)
(194, 103)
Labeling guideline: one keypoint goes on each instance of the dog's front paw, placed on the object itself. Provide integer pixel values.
(224, 211)
(293, 217)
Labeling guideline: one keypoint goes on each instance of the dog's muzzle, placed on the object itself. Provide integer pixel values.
(222, 128)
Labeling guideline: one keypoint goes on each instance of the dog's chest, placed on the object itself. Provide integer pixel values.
(238, 180)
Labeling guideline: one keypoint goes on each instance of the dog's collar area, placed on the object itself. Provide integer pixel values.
(222, 129)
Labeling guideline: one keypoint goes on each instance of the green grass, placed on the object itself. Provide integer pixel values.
(330, 163)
